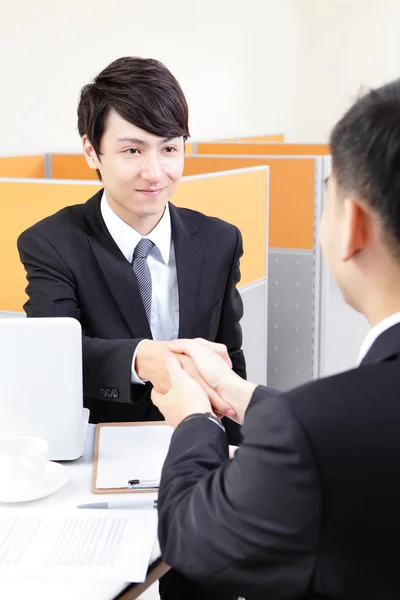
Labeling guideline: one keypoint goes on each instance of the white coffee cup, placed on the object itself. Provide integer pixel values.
(22, 463)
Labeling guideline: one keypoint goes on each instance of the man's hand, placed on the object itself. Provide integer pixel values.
(185, 397)
(207, 357)
(151, 366)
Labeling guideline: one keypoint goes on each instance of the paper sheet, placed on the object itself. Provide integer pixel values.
(131, 452)
(83, 545)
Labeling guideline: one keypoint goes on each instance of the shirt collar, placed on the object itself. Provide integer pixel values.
(128, 238)
(375, 332)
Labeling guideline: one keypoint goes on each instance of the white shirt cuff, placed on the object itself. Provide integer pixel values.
(134, 376)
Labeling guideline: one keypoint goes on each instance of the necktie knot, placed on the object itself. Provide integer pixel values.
(143, 248)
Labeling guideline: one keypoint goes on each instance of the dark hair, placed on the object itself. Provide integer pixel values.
(140, 90)
(365, 147)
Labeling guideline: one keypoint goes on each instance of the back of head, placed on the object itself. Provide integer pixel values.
(365, 147)
(141, 91)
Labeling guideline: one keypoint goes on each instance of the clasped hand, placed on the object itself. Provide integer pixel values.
(200, 380)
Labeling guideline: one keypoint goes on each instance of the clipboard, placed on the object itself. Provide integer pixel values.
(116, 449)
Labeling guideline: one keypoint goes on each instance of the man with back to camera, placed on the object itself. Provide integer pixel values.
(136, 271)
(309, 506)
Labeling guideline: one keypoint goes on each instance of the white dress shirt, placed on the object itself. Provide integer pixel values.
(375, 332)
(164, 323)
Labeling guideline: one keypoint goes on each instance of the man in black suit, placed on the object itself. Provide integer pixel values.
(309, 505)
(136, 271)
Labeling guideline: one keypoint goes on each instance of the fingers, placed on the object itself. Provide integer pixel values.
(203, 357)
(174, 367)
(191, 348)
(219, 349)
(156, 397)
(219, 405)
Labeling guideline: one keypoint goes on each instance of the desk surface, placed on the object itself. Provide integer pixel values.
(76, 491)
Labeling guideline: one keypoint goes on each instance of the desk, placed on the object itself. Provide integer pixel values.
(78, 491)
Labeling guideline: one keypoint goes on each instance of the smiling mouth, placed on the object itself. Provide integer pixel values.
(152, 191)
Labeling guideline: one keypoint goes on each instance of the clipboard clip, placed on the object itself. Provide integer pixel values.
(143, 484)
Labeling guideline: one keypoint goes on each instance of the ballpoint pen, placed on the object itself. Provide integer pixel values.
(116, 505)
(136, 484)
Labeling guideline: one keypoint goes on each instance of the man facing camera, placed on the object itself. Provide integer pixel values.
(309, 505)
(135, 270)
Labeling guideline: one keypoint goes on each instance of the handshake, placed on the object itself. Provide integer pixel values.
(192, 376)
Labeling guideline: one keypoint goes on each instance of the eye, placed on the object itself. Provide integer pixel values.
(170, 149)
(132, 151)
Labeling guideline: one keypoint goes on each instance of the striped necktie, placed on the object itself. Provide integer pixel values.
(142, 272)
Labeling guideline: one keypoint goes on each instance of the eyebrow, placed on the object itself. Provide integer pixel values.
(139, 142)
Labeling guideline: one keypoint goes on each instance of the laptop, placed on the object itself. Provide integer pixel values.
(41, 391)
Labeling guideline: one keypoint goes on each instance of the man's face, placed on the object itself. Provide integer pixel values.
(139, 170)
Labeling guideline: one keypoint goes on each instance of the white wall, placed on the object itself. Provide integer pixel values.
(234, 61)
(342, 45)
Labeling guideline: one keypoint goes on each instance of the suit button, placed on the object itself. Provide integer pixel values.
(103, 392)
(115, 393)
(109, 393)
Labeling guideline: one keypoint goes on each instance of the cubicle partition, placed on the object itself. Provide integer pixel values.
(342, 329)
(22, 166)
(295, 188)
(275, 137)
(311, 330)
(69, 166)
(261, 149)
(26, 201)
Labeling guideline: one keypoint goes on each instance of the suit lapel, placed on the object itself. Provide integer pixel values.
(116, 269)
(189, 257)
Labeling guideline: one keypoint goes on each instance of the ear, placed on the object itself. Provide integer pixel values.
(90, 154)
(354, 229)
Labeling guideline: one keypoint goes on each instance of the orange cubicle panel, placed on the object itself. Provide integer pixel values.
(277, 137)
(71, 166)
(219, 195)
(263, 149)
(291, 194)
(22, 166)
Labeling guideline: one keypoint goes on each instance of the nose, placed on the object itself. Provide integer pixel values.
(152, 171)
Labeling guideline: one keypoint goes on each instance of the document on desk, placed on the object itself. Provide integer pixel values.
(131, 451)
(76, 545)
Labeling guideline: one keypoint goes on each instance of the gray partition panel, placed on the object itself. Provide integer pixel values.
(254, 327)
(290, 318)
(341, 329)
(48, 166)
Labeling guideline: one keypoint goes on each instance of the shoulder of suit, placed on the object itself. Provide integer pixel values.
(338, 393)
(68, 217)
(205, 221)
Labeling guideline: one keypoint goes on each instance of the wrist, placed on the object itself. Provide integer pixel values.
(145, 359)
(208, 415)
(237, 392)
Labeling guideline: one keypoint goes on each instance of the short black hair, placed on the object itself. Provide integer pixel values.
(365, 147)
(140, 90)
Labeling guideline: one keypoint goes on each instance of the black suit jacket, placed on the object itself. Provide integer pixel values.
(75, 269)
(310, 505)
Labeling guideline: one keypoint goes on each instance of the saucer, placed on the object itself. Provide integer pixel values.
(55, 476)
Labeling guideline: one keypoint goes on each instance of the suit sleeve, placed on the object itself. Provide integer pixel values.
(230, 331)
(52, 292)
(250, 523)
